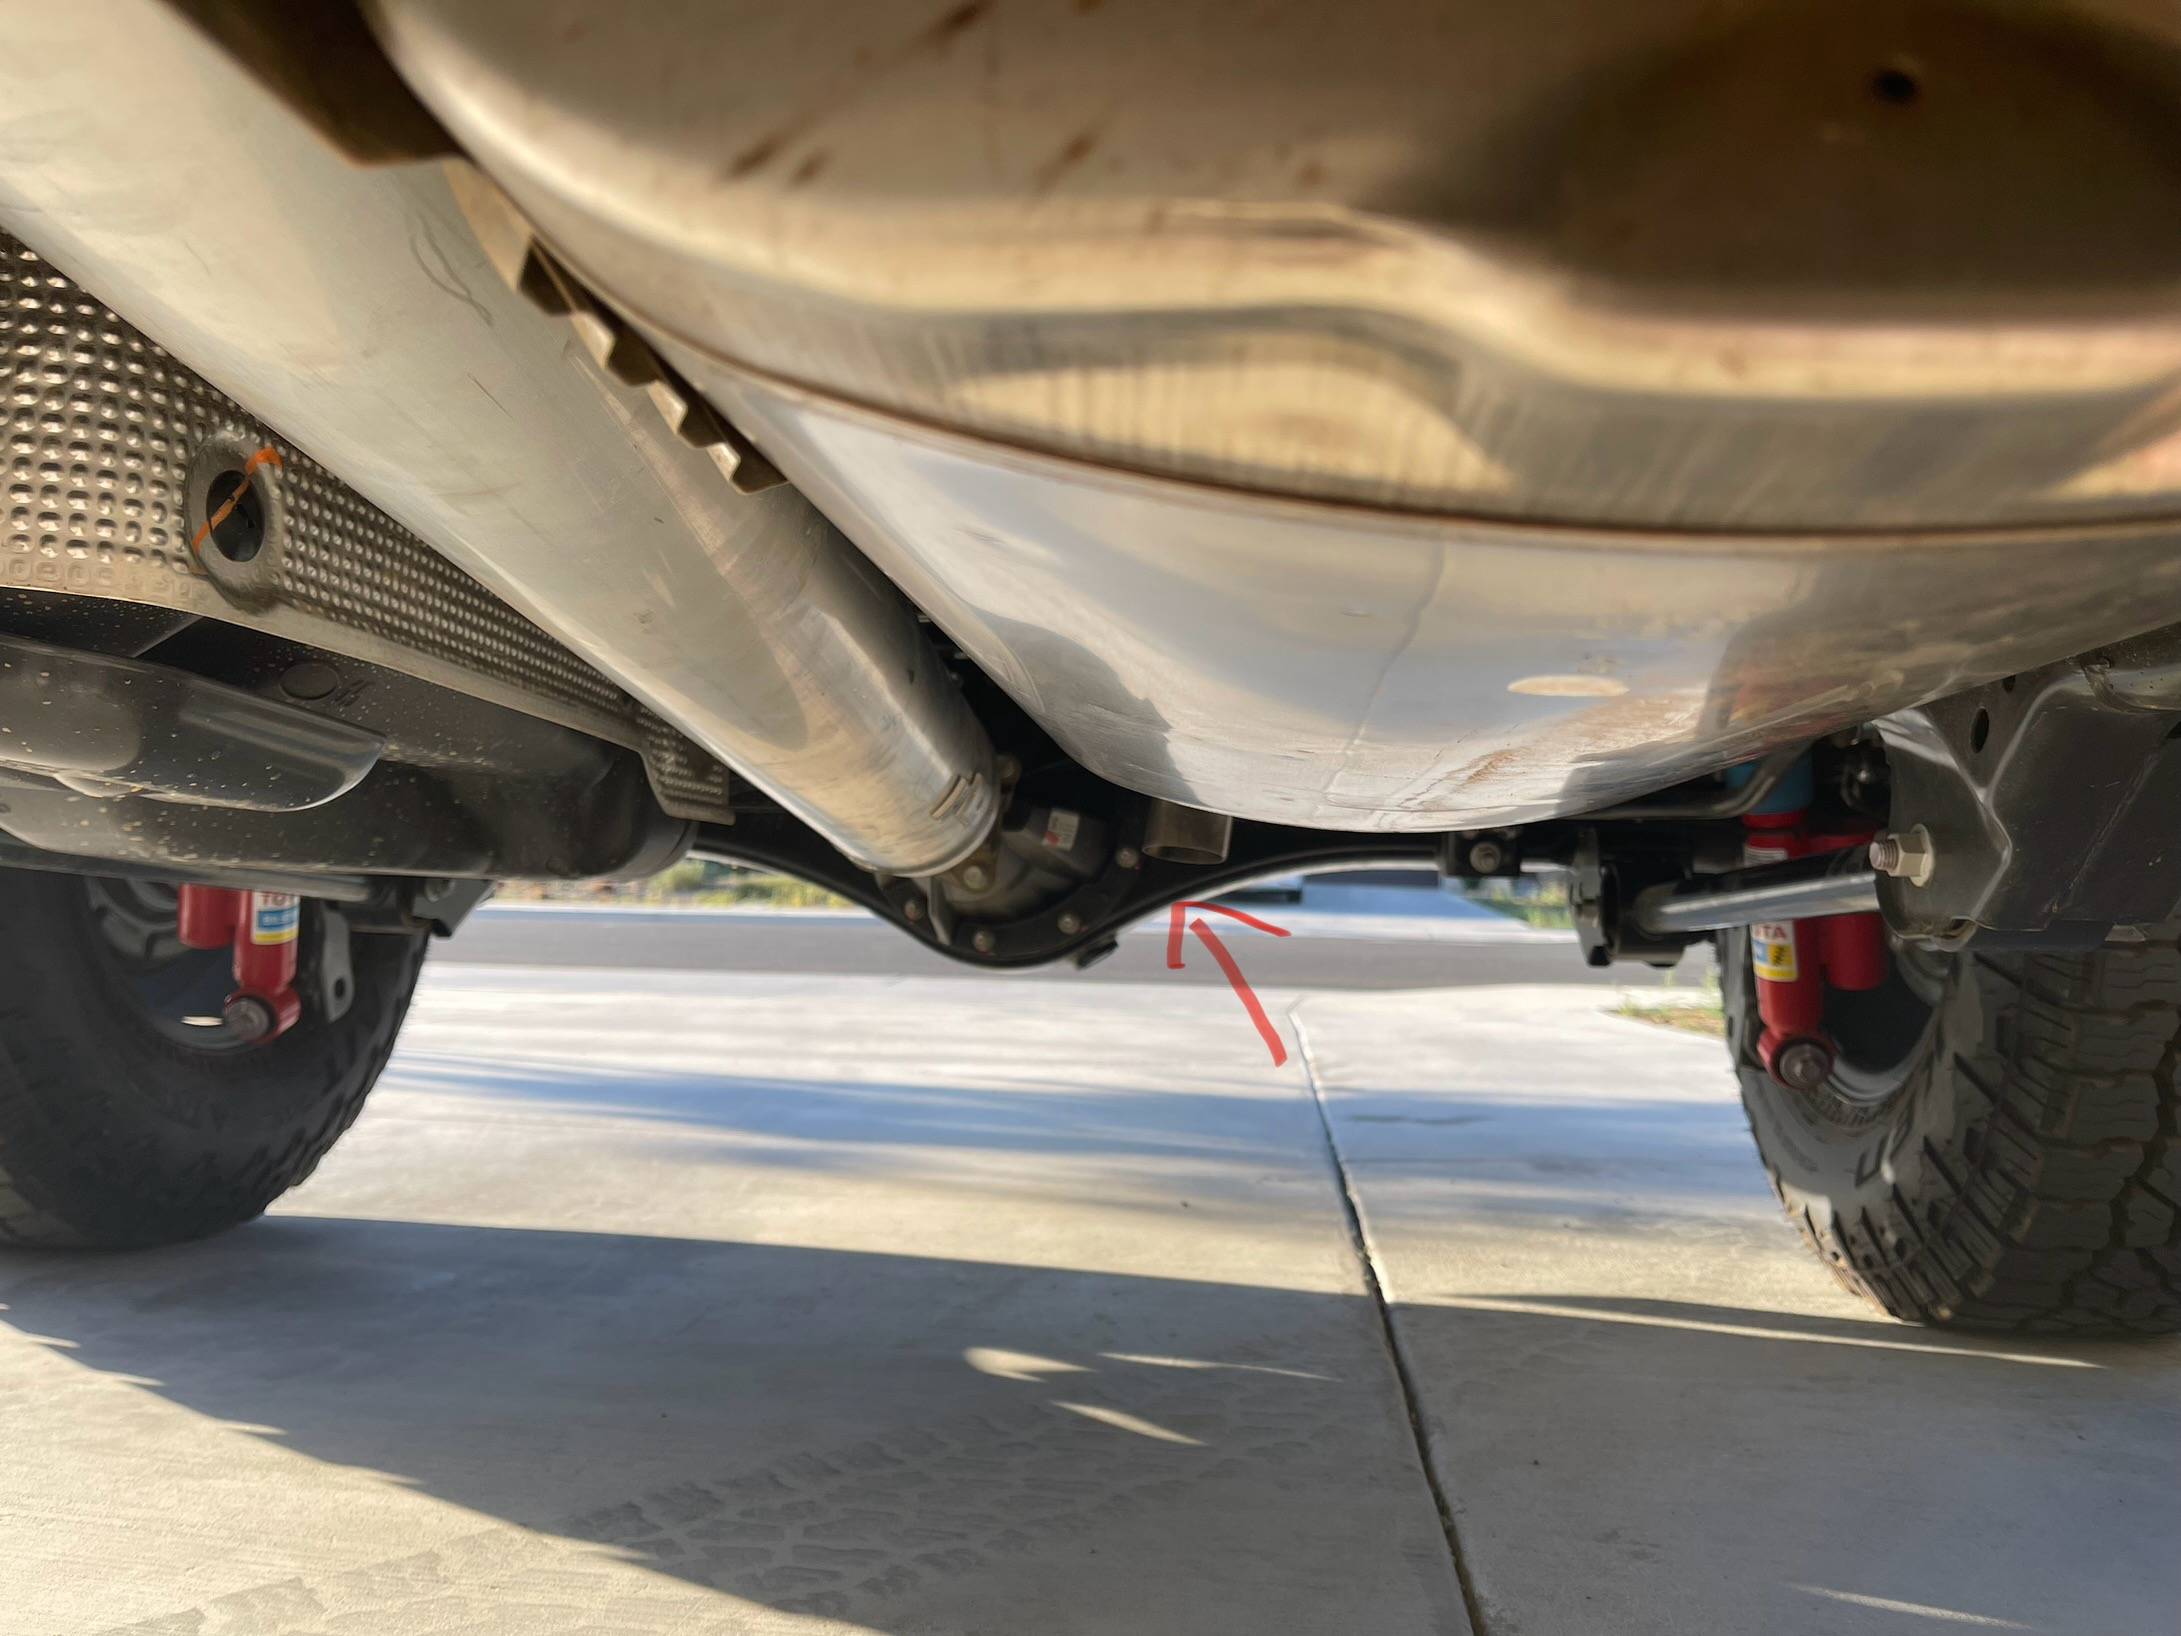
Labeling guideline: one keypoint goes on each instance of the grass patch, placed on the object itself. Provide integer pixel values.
(690, 883)
(1692, 1011)
(768, 892)
(1691, 1017)
(1531, 899)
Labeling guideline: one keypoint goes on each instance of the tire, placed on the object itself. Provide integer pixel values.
(118, 1128)
(2018, 1167)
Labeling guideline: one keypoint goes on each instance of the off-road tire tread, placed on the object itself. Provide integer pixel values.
(48, 1104)
(2029, 1179)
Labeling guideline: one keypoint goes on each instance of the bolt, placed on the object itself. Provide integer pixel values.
(913, 910)
(248, 1017)
(976, 877)
(1127, 857)
(1910, 857)
(1008, 769)
(1803, 1065)
(982, 942)
(1486, 857)
(1071, 923)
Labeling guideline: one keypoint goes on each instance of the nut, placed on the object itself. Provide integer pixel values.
(1910, 857)
(1486, 857)
(982, 942)
(1803, 1065)
(248, 1017)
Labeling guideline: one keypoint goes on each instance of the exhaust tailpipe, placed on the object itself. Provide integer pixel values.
(353, 310)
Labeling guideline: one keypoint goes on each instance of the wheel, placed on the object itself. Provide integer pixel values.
(1999, 1145)
(129, 1113)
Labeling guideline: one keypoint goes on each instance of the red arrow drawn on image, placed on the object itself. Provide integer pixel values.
(1227, 964)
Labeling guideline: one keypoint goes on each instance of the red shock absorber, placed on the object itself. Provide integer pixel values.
(1853, 947)
(263, 929)
(206, 916)
(1796, 961)
(1784, 958)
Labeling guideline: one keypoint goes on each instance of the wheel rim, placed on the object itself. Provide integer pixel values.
(1879, 1034)
(180, 991)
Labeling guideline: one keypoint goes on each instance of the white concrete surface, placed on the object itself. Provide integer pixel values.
(1651, 1410)
(646, 1302)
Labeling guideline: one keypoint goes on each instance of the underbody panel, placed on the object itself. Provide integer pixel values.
(1719, 264)
(113, 445)
(575, 355)
(1346, 668)
(1422, 423)
(353, 310)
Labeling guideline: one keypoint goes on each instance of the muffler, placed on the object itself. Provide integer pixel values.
(353, 310)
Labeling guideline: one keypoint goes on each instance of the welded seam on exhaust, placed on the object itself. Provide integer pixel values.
(1389, 1332)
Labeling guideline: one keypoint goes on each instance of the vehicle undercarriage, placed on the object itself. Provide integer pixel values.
(1729, 458)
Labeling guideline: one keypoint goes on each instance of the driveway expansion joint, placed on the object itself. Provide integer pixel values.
(1367, 1264)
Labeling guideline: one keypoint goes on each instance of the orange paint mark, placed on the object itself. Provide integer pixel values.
(267, 456)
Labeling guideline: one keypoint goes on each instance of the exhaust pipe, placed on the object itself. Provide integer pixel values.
(353, 310)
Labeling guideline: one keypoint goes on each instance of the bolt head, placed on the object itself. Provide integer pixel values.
(976, 877)
(248, 1017)
(1127, 857)
(1803, 1065)
(1071, 923)
(913, 909)
(1486, 857)
(982, 942)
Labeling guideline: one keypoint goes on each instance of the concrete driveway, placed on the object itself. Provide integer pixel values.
(646, 1301)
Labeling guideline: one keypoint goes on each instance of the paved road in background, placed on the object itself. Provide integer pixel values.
(1347, 937)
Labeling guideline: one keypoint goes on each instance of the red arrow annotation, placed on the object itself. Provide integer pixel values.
(1227, 964)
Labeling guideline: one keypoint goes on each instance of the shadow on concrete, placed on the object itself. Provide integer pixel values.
(882, 1127)
(914, 1444)
(1664, 1465)
(903, 1442)
(829, 1118)
(2123, 1364)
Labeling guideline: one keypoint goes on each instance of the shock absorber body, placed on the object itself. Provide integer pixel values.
(263, 929)
(1796, 962)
